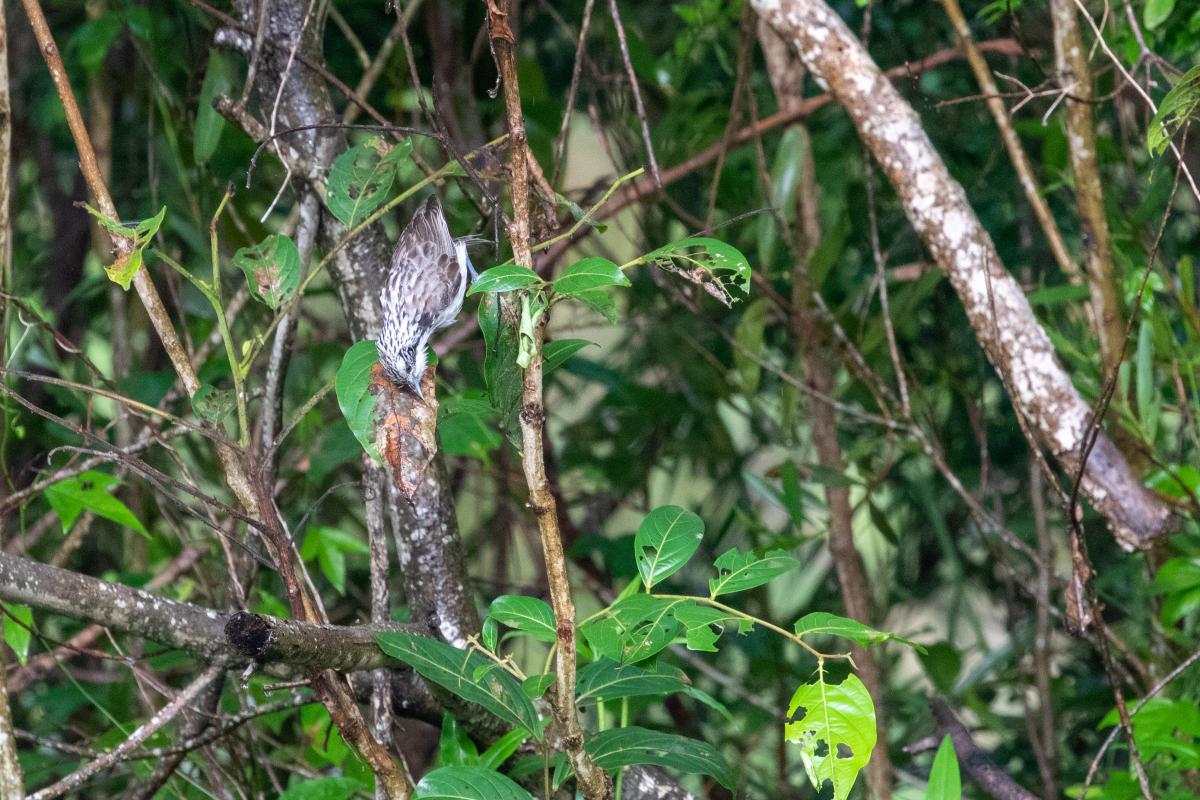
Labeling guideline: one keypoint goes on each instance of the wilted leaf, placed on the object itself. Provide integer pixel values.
(272, 269)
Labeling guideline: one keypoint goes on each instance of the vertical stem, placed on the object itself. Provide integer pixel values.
(594, 783)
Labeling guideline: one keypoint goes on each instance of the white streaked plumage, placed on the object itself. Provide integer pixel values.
(423, 292)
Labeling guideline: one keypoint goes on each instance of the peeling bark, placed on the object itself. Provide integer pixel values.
(937, 207)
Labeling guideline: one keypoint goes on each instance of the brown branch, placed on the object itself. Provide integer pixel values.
(594, 782)
(1004, 323)
(994, 782)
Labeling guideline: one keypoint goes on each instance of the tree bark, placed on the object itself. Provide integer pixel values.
(937, 207)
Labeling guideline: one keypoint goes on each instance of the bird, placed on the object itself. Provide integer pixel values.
(423, 292)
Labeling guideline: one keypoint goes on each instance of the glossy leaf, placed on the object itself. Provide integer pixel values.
(737, 571)
(665, 540)
(272, 269)
(504, 278)
(502, 749)
(724, 261)
(822, 623)
(352, 384)
(589, 274)
(555, 353)
(944, 780)
(468, 783)
(526, 614)
(625, 747)
(89, 492)
(454, 745)
(834, 724)
(607, 680)
(361, 178)
(468, 675)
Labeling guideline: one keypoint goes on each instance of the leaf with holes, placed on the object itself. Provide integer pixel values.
(361, 177)
(665, 540)
(212, 404)
(834, 724)
(352, 384)
(468, 675)
(737, 572)
(468, 783)
(588, 274)
(626, 747)
(944, 781)
(272, 269)
(528, 615)
(645, 625)
(89, 492)
(607, 680)
(705, 624)
(710, 263)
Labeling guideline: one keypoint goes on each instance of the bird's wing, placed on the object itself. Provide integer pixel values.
(426, 277)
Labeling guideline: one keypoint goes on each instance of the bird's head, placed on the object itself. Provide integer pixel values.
(408, 369)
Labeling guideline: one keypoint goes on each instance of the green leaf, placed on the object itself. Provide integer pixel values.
(361, 177)
(532, 308)
(826, 624)
(1056, 295)
(556, 352)
(89, 492)
(218, 80)
(18, 624)
(835, 727)
(749, 337)
(625, 747)
(536, 685)
(724, 261)
(1156, 12)
(737, 572)
(601, 302)
(588, 274)
(645, 625)
(468, 675)
(212, 404)
(505, 379)
(122, 270)
(665, 540)
(463, 427)
(504, 278)
(944, 780)
(502, 749)
(322, 789)
(526, 614)
(607, 680)
(329, 546)
(352, 384)
(468, 783)
(454, 746)
(1176, 108)
(1144, 379)
(489, 634)
(272, 269)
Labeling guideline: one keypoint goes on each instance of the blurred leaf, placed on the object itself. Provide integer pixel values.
(89, 492)
(536, 685)
(502, 749)
(1156, 12)
(665, 540)
(835, 727)
(944, 780)
(1058, 295)
(361, 178)
(218, 80)
(504, 378)
(212, 404)
(329, 546)
(272, 269)
(737, 572)
(463, 427)
(455, 669)
(322, 789)
(353, 388)
(18, 624)
(749, 337)
(1144, 382)
(626, 747)
(1174, 111)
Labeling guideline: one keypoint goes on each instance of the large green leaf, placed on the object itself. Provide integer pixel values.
(504, 278)
(607, 680)
(272, 269)
(468, 783)
(89, 492)
(1174, 111)
(625, 747)
(352, 384)
(361, 177)
(835, 727)
(643, 624)
(464, 429)
(468, 675)
(588, 274)
(329, 788)
(665, 540)
(944, 780)
(526, 614)
(737, 572)
(218, 80)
